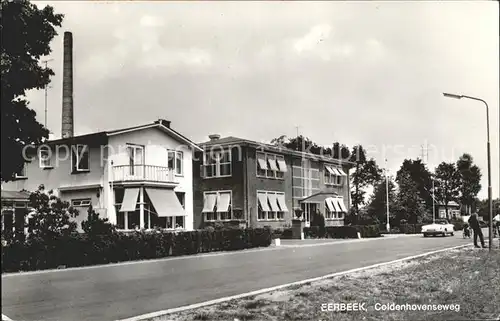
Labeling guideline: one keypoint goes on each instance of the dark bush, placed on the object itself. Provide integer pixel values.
(411, 228)
(395, 230)
(368, 230)
(342, 232)
(36, 253)
(458, 225)
(282, 233)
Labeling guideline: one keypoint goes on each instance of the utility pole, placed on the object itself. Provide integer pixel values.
(46, 92)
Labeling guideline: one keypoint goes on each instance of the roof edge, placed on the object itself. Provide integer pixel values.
(263, 146)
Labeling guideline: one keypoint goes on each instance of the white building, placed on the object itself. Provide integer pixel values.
(138, 177)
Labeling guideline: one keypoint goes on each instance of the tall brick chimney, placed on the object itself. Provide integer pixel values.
(67, 91)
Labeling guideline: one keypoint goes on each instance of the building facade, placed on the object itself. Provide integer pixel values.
(237, 180)
(453, 210)
(139, 177)
(14, 210)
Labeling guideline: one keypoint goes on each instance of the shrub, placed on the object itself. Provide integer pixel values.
(369, 230)
(282, 233)
(411, 228)
(38, 253)
(94, 225)
(51, 217)
(318, 220)
(342, 232)
(395, 230)
(458, 225)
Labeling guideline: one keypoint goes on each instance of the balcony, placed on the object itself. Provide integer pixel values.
(143, 173)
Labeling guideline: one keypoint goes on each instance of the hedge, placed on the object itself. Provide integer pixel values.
(84, 250)
(458, 225)
(282, 233)
(411, 228)
(342, 232)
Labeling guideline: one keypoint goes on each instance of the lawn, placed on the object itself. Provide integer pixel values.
(466, 279)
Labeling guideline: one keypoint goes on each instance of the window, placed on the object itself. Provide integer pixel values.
(8, 220)
(136, 159)
(305, 181)
(216, 164)
(218, 206)
(175, 162)
(271, 165)
(328, 214)
(182, 198)
(332, 179)
(333, 175)
(334, 208)
(271, 206)
(20, 205)
(178, 163)
(44, 156)
(80, 158)
(81, 202)
(23, 173)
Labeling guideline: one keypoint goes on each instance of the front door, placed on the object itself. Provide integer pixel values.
(308, 209)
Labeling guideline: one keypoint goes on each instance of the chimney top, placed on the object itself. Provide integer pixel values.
(163, 122)
(67, 88)
(214, 137)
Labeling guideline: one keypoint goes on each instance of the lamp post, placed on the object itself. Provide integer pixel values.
(433, 204)
(490, 232)
(388, 225)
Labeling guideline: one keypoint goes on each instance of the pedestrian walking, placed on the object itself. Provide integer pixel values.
(496, 226)
(474, 224)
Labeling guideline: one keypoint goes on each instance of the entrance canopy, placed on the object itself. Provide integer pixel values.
(318, 197)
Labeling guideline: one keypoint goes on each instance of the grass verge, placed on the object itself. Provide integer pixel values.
(467, 279)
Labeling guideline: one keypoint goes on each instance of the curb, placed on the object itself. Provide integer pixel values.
(271, 247)
(283, 286)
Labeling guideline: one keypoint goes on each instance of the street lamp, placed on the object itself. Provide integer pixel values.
(433, 203)
(490, 232)
(388, 225)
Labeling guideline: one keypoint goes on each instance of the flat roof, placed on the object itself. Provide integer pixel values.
(231, 141)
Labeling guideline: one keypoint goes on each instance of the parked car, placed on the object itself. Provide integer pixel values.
(439, 227)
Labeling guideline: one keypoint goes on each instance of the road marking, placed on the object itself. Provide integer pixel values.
(6, 318)
(279, 287)
(195, 256)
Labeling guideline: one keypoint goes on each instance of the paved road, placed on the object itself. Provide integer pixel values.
(116, 292)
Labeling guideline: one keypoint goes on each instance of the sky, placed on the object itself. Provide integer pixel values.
(369, 73)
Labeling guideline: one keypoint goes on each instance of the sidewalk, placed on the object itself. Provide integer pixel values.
(318, 242)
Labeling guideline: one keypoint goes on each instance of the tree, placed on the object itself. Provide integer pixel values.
(470, 181)
(26, 34)
(94, 225)
(304, 144)
(484, 208)
(50, 217)
(447, 184)
(421, 176)
(410, 206)
(377, 206)
(366, 173)
(299, 143)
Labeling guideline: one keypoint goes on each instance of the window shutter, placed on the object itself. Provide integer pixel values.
(202, 171)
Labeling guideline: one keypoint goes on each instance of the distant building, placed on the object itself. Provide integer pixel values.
(14, 209)
(453, 210)
(244, 182)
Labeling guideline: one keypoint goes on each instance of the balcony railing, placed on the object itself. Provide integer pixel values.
(142, 173)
